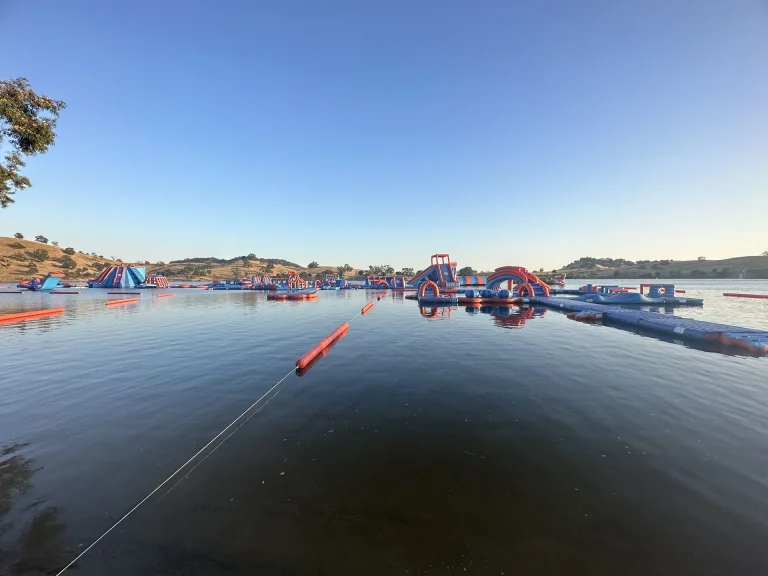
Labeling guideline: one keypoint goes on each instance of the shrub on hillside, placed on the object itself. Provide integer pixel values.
(18, 256)
(41, 255)
(68, 263)
(19, 236)
(42, 239)
(69, 251)
(16, 245)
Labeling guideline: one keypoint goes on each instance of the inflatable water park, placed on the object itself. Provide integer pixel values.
(438, 290)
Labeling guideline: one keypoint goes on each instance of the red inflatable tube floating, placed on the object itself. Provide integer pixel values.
(366, 308)
(19, 316)
(302, 371)
(123, 301)
(380, 297)
(168, 295)
(737, 295)
(304, 361)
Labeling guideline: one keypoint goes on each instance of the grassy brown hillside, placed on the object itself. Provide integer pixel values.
(193, 269)
(22, 259)
(755, 267)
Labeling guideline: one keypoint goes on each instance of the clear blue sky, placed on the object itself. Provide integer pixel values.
(366, 132)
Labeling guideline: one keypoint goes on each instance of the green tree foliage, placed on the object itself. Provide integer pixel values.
(16, 245)
(589, 263)
(313, 264)
(19, 236)
(765, 253)
(467, 271)
(27, 123)
(42, 239)
(41, 255)
(269, 267)
(347, 268)
(340, 271)
(69, 251)
(246, 262)
(55, 243)
(32, 268)
(381, 270)
(67, 262)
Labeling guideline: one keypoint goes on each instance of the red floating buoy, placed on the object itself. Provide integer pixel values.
(320, 346)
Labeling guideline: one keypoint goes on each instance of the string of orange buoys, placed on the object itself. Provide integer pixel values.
(303, 364)
(318, 350)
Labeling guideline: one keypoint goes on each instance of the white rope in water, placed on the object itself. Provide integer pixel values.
(164, 482)
(180, 468)
(219, 445)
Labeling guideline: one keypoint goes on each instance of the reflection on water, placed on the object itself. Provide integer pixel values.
(413, 446)
(32, 536)
(509, 316)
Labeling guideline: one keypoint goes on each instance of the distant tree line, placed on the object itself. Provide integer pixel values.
(236, 260)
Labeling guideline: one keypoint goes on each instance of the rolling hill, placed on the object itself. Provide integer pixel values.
(22, 259)
(597, 268)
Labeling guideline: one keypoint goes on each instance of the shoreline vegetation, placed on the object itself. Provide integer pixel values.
(20, 259)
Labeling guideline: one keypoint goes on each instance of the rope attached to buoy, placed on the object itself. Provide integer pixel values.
(305, 360)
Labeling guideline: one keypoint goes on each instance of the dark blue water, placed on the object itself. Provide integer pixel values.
(507, 443)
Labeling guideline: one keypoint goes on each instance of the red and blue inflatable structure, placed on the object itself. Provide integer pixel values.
(120, 276)
(49, 282)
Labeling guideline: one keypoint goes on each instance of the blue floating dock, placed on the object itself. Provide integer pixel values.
(633, 298)
(428, 300)
(750, 339)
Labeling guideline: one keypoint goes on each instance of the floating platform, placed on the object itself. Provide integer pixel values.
(430, 300)
(308, 294)
(751, 340)
(634, 298)
(489, 301)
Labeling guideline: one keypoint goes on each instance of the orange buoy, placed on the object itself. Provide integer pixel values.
(303, 371)
(19, 316)
(737, 295)
(123, 301)
(167, 295)
(366, 308)
(320, 346)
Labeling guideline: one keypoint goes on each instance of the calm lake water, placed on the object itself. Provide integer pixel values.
(464, 443)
